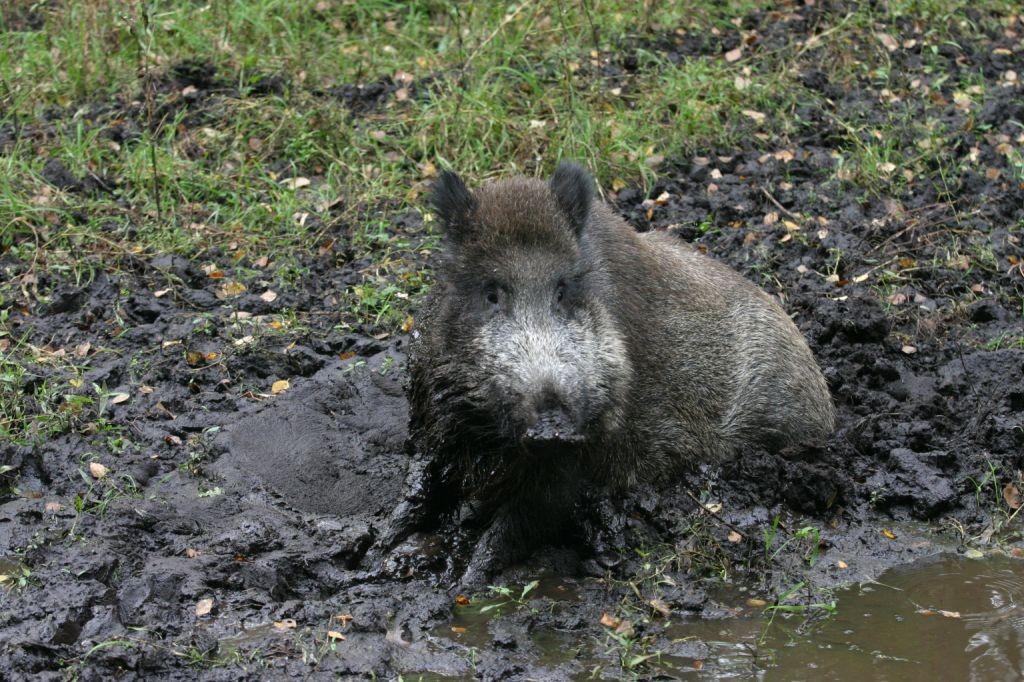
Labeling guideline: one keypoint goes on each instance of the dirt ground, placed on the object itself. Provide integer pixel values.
(228, 540)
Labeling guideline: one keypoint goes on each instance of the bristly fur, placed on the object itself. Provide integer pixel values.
(662, 356)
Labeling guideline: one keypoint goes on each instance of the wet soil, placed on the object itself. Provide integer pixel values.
(266, 504)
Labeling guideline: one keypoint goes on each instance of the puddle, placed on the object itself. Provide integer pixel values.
(946, 617)
(941, 618)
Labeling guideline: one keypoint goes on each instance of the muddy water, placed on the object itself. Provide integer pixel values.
(944, 618)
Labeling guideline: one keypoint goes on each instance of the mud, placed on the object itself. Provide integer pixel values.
(267, 503)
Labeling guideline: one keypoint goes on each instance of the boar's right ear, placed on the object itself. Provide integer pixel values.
(453, 204)
(574, 190)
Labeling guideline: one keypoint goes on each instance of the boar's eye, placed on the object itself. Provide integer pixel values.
(493, 294)
(560, 291)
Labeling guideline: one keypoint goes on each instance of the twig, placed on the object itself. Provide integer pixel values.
(779, 206)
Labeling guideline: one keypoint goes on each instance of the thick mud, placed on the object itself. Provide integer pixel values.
(228, 536)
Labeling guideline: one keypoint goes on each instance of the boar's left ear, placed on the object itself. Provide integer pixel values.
(453, 203)
(574, 190)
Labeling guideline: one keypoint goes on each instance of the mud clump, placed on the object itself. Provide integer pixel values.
(561, 349)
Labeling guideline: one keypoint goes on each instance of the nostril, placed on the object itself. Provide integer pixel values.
(553, 424)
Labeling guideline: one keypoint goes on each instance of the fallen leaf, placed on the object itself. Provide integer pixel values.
(344, 618)
(408, 324)
(756, 116)
(462, 600)
(280, 386)
(888, 533)
(661, 607)
(757, 603)
(118, 398)
(974, 553)
(1012, 496)
(230, 288)
(335, 635)
(860, 278)
(770, 218)
(887, 167)
(842, 564)
(269, 296)
(898, 299)
(625, 629)
(713, 507)
(908, 349)
(734, 537)
(285, 624)
(53, 506)
(610, 621)
(295, 183)
(162, 292)
(191, 553)
(171, 439)
(97, 470)
(204, 606)
(734, 54)
(888, 41)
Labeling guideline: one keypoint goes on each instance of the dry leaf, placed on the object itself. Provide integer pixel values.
(908, 349)
(661, 607)
(757, 603)
(733, 55)
(230, 288)
(860, 278)
(204, 606)
(335, 635)
(770, 218)
(162, 292)
(887, 167)
(118, 398)
(269, 296)
(734, 537)
(191, 553)
(284, 625)
(888, 533)
(458, 630)
(888, 41)
(756, 116)
(610, 621)
(462, 600)
(295, 183)
(97, 470)
(842, 564)
(280, 386)
(1012, 496)
(53, 506)
(713, 507)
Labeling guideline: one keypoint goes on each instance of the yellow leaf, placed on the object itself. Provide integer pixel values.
(280, 386)
(888, 533)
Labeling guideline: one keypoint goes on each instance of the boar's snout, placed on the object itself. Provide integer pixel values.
(552, 423)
